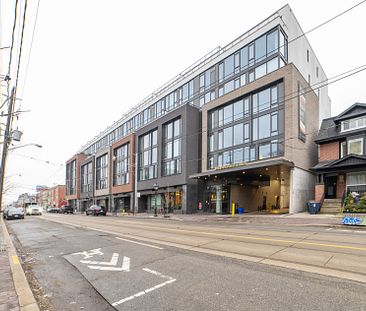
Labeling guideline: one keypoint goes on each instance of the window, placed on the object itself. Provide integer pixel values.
(251, 54)
(238, 110)
(121, 165)
(272, 42)
(272, 65)
(172, 142)
(229, 66)
(260, 71)
(261, 101)
(262, 127)
(228, 114)
(221, 72)
(264, 151)
(101, 172)
(87, 177)
(238, 134)
(244, 57)
(353, 124)
(343, 149)
(307, 55)
(355, 146)
(148, 158)
(71, 178)
(260, 48)
(234, 136)
(228, 137)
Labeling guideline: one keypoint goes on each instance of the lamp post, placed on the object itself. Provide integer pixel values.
(155, 188)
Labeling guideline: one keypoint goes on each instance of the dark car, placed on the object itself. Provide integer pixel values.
(67, 209)
(15, 213)
(96, 210)
(54, 210)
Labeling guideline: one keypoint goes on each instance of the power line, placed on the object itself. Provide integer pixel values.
(30, 49)
(21, 46)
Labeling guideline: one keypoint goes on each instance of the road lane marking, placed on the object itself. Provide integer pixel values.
(149, 290)
(253, 238)
(140, 243)
(15, 259)
(113, 262)
(90, 254)
(227, 235)
(124, 268)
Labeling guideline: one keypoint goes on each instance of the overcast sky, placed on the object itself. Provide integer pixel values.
(93, 60)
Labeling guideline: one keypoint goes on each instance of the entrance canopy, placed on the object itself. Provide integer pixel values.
(246, 173)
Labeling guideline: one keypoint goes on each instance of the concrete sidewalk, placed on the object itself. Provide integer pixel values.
(304, 219)
(15, 293)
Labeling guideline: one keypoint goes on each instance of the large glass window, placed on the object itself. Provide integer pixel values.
(229, 66)
(148, 156)
(71, 178)
(121, 165)
(260, 48)
(172, 141)
(86, 177)
(244, 138)
(101, 172)
(272, 42)
(260, 57)
(238, 134)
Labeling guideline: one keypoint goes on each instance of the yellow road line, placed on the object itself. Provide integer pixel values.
(239, 236)
(15, 259)
(259, 238)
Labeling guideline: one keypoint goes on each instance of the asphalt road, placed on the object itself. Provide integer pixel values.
(78, 268)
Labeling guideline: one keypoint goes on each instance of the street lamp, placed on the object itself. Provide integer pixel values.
(155, 188)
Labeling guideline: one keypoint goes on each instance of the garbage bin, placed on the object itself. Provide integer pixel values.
(313, 207)
(240, 210)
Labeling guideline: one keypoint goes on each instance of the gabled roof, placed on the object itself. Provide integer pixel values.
(329, 129)
(355, 110)
(350, 161)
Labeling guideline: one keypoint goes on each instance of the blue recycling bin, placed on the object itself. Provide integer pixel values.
(240, 210)
(313, 207)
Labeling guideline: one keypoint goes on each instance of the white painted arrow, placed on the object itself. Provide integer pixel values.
(113, 262)
(124, 268)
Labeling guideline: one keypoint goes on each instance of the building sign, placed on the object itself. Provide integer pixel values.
(302, 114)
(354, 220)
(222, 167)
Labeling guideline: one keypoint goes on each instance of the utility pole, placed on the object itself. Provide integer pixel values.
(7, 139)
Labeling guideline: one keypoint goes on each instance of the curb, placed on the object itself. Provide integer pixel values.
(26, 299)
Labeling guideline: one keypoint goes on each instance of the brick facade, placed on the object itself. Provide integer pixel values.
(319, 191)
(329, 151)
(341, 185)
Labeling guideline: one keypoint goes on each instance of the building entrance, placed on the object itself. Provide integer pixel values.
(218, 199)
(330, 187)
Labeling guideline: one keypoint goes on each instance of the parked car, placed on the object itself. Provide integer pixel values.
(67, 209)
(5, 211)
(34, 210)
(96, 210)
(54, 210)
(14, 213)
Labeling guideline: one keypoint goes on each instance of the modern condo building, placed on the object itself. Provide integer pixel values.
(235, 127)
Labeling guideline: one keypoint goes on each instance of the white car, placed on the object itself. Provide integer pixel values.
(34, 210)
